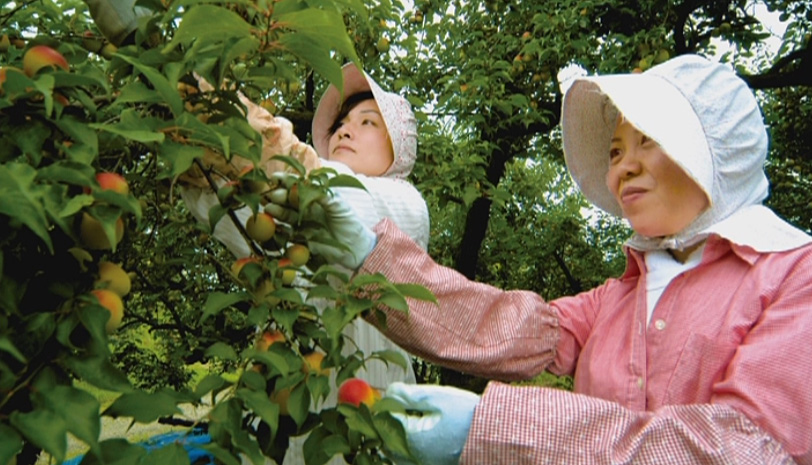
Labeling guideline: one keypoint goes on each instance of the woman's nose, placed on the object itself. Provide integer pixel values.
(344, 132)
(629, 165)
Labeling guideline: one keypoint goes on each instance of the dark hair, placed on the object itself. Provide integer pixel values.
(349, 103)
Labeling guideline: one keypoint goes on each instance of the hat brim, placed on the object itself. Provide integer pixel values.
(355, 81)
(653, 106)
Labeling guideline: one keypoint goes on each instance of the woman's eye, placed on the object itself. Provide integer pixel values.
(614, 153)
(645, 140)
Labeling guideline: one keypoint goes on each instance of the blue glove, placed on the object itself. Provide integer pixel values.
(438, 436)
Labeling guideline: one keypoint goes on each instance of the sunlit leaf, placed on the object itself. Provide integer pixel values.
(43, 428)
(143, 407)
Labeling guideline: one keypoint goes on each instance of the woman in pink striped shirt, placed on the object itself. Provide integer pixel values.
(698, 353)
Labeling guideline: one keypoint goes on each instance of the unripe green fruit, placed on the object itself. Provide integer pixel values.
(93, 236)
(287, 275)
(382, 45)
(298, 254)
(113, 278)
(260, 227)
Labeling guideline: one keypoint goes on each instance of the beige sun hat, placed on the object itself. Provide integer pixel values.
(706, 119)
(396, 111)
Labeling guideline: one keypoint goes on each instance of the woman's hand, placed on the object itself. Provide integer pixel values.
(439, 428)
(352, 240)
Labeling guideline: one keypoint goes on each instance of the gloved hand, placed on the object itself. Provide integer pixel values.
(343, 224)
(116, 19)
(438, 436)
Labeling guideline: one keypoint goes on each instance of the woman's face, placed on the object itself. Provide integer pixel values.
(361, 141)
(656, 195)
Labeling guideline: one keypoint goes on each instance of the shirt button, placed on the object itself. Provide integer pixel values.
(659, 324)
(640, 382)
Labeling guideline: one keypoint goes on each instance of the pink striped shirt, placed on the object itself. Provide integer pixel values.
(722, 374)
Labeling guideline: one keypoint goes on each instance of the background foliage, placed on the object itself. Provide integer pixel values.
(484, 79)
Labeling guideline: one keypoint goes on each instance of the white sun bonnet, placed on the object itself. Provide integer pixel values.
(707, 120)
(396, 111)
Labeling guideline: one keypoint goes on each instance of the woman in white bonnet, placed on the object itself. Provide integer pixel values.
(699, 353)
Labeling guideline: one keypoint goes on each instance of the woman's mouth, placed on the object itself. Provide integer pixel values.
(631, 194)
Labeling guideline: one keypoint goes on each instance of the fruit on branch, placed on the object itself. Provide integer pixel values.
(113, 182)
(3, 74)
(293, 196)
(382, 45)
(268, 338)
(238, 264)
(91, 42)
(298, 254)
(113, 278)
(288, 275)
(5, 43)
(112, 302)
(250, 182)
(108, 50)
(313, 363)
(356, 391)
(40, 56)
(226, 194)
(92, 234)
(280, 398)
(264, 293)
(260, 227)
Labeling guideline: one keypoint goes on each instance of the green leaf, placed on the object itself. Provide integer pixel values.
(335, 444)
(222, 351)
(359, 419)
(299, 403)
(345, 180)
(170, 454)
(117, 451)
(143, 407)
(179, 157)
(71, 172)
(285, 317)
(217, 301)
(100, 372)
(130, 134)
(261, 404)
(314, 454)
(270, 358)
(322, 292)
(44, 429)
(80, 410)
(10, 443)
(207, 23)
(221, 454)
(208, 384)
(394, 300)
(168, 91)
(20, 201)
(85, 146)
(392, 434)
(313, 29)
(392, 356)
(416, 291)
(137, 92)
(6, 345)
